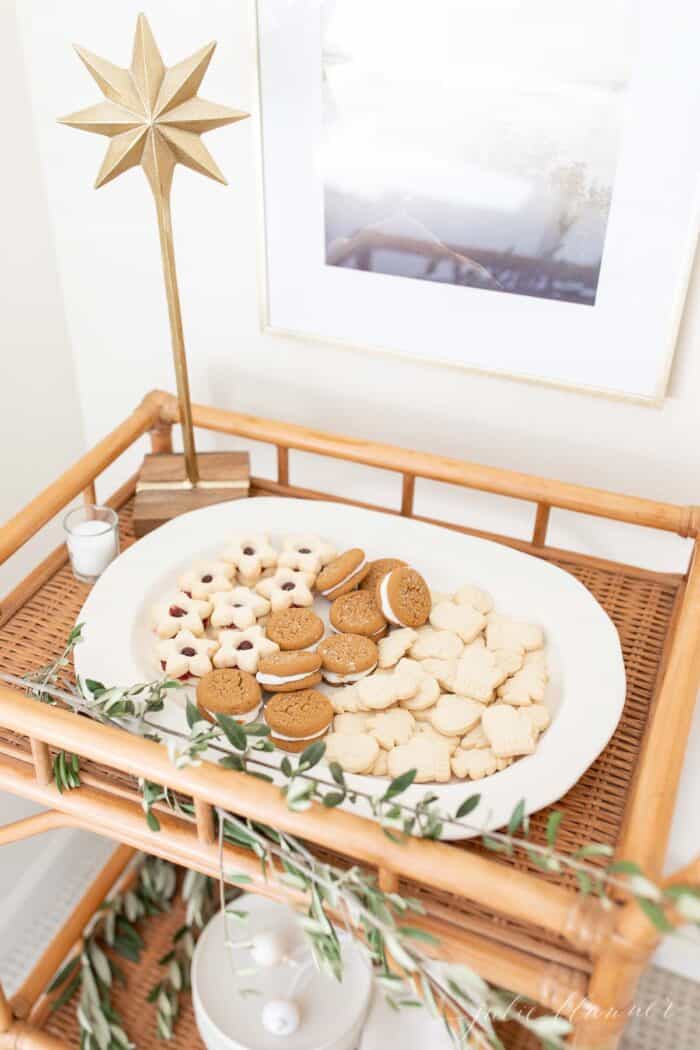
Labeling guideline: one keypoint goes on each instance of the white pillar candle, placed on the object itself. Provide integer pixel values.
(92, 542)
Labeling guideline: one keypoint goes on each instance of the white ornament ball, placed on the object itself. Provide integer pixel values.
(268, 948)
(280, 1017)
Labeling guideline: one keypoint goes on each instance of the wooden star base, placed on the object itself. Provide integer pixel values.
(163, 491)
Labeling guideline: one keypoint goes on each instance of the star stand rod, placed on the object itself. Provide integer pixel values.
(161, 197)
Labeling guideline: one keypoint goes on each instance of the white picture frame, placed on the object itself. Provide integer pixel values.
(621, 345)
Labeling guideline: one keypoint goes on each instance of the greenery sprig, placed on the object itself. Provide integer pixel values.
(350, 894)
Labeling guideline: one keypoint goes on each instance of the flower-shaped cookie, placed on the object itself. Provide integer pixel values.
(239, 608)
(186, 654)
(205, 578)
(250, 553)
(243, 649)
(180, 613)
(286, 588)
(307, 553)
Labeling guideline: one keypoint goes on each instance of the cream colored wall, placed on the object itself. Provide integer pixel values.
(40, 415)
(109, 265)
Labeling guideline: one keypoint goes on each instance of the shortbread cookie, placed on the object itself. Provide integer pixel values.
(479, 600)
(346, 700)
(350, 722)
(357, 613)
(455, 715)
(308, 553)
(288, 672)
(229, 691)
(354, 752)
(180, 613)
(380, 691)
(287, 588)
(477, 673)
(378, 568)
(443, 671)
(426, 729)
(395, 645)
(475, 764)
(424, 689)
(249, 553)
(509, 731)
(509, 660)
(539, 717)
(206, 578)
(476, 737)
(528, 684)
(243, 648)
(425, 697)
(298, 719)
(390, 728)
(380, 767)
(429, 758)
(462, 620)
(186, 654)
(239, 608)
(295, 629)
(347, 658)
(343, 574)
(403, 597)
(503, 633)
(435, 644)
(439, 597)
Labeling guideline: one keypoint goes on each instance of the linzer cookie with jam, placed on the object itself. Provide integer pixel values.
(347, 658)
(229, 691)
(288, 672)
(298, 719)
(404, 597)
(295, 629)
(358, 613)
(343, 574)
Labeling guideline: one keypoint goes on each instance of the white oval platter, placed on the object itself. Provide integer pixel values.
(586, 691)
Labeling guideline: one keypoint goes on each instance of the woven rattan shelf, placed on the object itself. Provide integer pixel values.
(522, 929)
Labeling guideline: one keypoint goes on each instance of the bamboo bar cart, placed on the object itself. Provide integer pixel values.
(524, 930)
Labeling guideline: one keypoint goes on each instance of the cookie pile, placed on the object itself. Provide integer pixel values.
(435, 682)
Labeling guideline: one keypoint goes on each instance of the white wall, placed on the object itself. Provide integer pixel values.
(109, 262)
(38, 395)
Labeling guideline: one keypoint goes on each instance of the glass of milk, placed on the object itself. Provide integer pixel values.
(92, 537)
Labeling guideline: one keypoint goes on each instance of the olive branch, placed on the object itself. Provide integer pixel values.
(352, 894)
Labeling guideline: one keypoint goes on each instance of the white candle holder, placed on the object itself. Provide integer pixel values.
(92, 538)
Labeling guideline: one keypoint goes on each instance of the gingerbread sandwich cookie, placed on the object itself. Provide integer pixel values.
(298, 719)
(343, 574)
(347, 658)
(377, 569)
(295, 629)
(287, 672)
(358, 613)
(404, 597)
(229, 691)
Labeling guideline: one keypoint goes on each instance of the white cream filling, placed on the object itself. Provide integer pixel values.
(281, 736)
(249, 716)
(342, 679)
(372, 635)
(387, 611)
(345, 578)
(280, 679)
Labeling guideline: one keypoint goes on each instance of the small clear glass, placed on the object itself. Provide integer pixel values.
(92, 537)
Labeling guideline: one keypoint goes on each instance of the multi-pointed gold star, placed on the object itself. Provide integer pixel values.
(152, 114)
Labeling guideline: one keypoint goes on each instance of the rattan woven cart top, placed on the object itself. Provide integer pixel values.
(556, 943)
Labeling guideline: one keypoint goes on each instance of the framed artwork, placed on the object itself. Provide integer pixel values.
(498, 185)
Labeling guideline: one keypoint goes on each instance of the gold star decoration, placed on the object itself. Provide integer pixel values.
(154, 117)
(152, 114)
